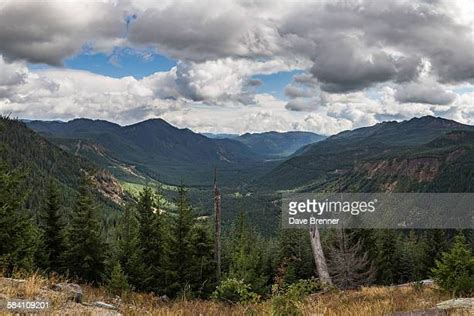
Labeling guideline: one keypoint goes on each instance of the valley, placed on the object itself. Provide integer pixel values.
(425, 154)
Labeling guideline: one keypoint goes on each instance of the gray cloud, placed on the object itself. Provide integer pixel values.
(296, 92)
(352, 44)
(343, 47)
(429, 93)
(204, 30)
(48, 32)
(342, 65)
(254, 82)
(361, 43)
(300, 104)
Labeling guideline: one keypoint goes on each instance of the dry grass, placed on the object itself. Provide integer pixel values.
(373, 301)
(367, 301)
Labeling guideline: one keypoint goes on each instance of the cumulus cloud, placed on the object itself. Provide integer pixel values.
(49, 31)
(66, 94)
(11, 74)
(424, 92)
(224, 79)
(293, 92)
(343, 65)
(204, 30)
(362, 61)
(360, 43)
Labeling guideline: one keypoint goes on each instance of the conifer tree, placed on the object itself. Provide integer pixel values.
(437, 243)
(129, 251)
(117, 283)
(180, 242)
(53, 238)
(455, 271)
(202, 268)
(87, 251)
(154, 242)
(387, 260)
(246, 255)
(413, 258)
(19, 236)
(295, 259)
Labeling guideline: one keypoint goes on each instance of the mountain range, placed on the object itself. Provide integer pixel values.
(160, 151)
(426, 154)
(273, 144)
(316, 166)
(154, 149)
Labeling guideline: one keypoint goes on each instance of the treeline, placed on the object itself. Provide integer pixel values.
(171, 253)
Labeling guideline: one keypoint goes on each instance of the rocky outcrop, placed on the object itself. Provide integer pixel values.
(72, 290)
(108, 186)
(417, 169)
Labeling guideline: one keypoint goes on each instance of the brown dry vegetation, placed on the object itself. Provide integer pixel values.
(367, 301)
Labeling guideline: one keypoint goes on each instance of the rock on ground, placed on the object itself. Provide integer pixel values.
(74, 291)
(463, 303)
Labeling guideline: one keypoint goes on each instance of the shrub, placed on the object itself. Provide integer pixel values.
(283, 305)
(303, 288)
(455, 271)
(234, 291)
(287, 299)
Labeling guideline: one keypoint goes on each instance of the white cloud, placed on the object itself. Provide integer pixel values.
(11, 74)
(363, 60)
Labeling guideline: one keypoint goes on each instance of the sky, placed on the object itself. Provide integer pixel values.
(238, 66)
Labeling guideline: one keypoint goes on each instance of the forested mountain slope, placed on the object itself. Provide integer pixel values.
(153, 148)
(338, 155)
(445, 164)
(39, 160)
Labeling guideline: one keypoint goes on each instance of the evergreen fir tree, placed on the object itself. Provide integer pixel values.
(53, 229)
(202, 266)
(413, 258)
(129, 251)
(19, 237)
(437, 243)
(117, 283)
(295, 259)
(455, 271)
(246, 255)
(180, 242)
(87, 251)
(154, 242)
(349, 265)
(387, 257)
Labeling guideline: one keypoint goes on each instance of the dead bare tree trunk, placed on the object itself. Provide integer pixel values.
(217, 242)
(350, 265)
(318, 256)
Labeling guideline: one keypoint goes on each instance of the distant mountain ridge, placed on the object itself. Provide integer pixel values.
(157, 149)
(151, 148)
(273, 144)
(320, 163)
(278, 145)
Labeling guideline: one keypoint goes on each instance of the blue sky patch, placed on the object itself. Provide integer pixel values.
(121, 63)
